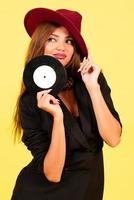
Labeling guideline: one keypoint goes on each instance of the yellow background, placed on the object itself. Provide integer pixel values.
(108, 28)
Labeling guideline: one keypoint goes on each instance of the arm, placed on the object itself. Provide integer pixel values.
(106, 116)
(49, 155)
(55, 157)
(108, 125)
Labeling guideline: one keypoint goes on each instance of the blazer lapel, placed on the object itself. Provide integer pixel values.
(71, 126)
(85, 109)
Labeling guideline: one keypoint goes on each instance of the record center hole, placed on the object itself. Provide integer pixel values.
(44, 76)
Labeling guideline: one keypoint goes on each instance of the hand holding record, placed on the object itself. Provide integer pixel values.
(43, 73)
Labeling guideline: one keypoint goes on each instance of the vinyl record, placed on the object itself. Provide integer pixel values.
(43, 73)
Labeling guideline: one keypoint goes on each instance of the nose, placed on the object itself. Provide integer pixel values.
(61, 46)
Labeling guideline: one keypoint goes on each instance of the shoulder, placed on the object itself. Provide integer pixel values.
(103, 82)
(28, 102)
(102, 79)
(29, 108)
(81, 90)
(29, 112)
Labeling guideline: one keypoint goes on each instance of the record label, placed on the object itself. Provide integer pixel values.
(44, 76)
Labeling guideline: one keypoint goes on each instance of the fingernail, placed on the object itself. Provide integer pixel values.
(85, 57)
(49, 90)
(80, 69)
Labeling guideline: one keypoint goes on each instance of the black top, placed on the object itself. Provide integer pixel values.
(82, 175)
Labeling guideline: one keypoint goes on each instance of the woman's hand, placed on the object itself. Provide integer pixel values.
(89, 72)
(49, 103)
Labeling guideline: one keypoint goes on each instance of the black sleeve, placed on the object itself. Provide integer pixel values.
(106, 92)
(34, 137)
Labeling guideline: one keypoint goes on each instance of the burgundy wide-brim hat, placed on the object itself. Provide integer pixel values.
(67, 18)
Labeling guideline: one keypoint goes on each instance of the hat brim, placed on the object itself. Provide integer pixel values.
(38, 15)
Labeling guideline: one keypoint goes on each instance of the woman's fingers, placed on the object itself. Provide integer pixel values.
(51, 99)
(87, 68)
(82, 64)
(48, 103)
(86, 64)
(44, 98)
(42, 93)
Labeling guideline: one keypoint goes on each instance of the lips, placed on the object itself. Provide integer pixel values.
(59, 56)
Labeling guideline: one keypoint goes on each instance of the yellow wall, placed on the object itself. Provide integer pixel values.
(109, 32)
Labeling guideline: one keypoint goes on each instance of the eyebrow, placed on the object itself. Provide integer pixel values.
(58, 36)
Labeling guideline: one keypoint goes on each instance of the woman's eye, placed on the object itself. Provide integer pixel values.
(51, 39)
(70, 41)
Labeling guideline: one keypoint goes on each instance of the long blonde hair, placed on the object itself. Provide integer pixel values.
(36, 48)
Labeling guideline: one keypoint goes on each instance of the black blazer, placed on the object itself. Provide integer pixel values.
(37, 124)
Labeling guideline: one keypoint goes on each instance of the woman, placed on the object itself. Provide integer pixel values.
(64, 133)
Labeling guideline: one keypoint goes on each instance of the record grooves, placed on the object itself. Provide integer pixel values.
(43, 73)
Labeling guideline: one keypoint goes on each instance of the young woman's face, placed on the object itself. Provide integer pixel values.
(60, 45)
